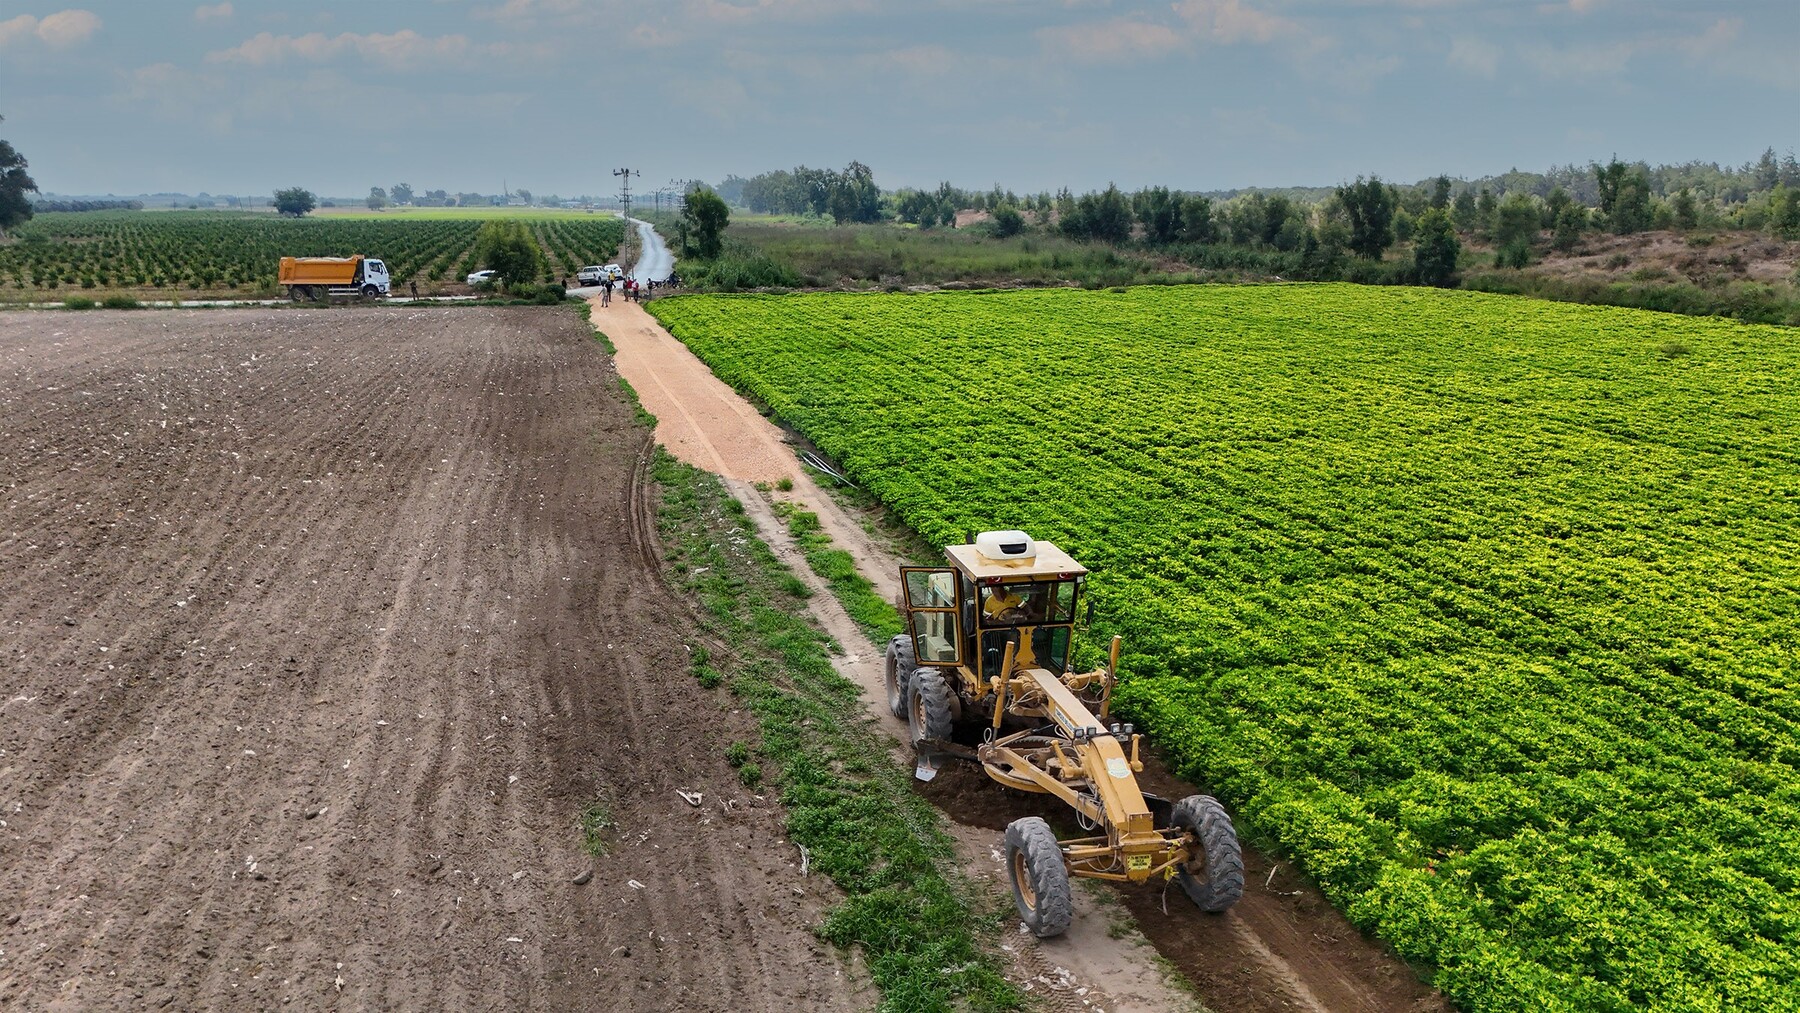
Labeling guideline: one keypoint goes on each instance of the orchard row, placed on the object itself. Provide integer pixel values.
(214, 252)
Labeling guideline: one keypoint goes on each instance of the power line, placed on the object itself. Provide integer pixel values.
(625, 199)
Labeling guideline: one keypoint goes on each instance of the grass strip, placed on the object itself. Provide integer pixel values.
(848, 803)
(874, 614)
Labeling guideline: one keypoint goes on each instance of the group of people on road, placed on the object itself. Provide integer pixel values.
(629, 285)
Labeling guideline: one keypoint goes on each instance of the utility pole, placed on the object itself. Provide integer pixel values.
(625, 200)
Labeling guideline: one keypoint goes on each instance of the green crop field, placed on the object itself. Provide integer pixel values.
(1484, 609)
(187, 252)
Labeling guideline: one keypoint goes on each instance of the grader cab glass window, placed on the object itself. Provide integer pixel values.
(1048, 649)
(1028, 604)
(931, 613)
(930, 589)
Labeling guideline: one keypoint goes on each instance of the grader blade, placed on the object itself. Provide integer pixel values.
(926, 761)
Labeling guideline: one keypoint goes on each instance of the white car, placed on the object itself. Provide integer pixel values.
(480, 278)
(614, 271)
(588, 276)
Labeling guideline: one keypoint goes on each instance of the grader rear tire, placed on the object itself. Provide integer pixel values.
(930, 712)
(901, 662)
(1040, 879)
(1213, 878)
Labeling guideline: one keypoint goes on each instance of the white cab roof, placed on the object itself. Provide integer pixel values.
(1049, 562)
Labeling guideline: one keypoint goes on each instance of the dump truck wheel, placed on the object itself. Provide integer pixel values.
(901, 662)
(294, 293)
(929, 714)
(370, 291)
(1040, 878)
(1213, 875)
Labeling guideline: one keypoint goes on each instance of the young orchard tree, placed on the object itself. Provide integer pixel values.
(14, 185)
(507, 249)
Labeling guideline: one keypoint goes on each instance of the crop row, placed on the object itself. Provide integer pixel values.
(1486, 609)
(225, 251)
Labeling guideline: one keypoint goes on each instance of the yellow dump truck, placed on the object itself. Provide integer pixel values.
(320, 278)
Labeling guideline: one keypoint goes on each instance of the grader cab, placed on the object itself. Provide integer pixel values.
(988, 647)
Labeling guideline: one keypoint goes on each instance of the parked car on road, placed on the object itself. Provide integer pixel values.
(480, 278)
(590, 276)
(615, 272)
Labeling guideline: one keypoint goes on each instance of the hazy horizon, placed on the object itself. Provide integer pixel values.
(551, 95)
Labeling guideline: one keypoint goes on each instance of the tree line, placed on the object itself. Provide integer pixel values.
(1324, 231)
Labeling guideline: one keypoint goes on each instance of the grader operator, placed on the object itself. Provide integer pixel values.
(988, 644)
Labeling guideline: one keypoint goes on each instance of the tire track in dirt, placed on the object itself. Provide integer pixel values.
(376, 629)
(1282, 948)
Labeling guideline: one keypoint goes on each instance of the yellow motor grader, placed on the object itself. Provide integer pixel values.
(988, 644)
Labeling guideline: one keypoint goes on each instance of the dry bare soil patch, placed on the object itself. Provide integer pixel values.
(320, 630)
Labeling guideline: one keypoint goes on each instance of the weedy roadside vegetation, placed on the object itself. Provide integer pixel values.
(848, 803)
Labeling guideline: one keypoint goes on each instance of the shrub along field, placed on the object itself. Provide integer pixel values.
(227, 252)
(1483, 608)
(766, 252)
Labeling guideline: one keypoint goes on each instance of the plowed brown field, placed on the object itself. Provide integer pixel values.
(318, 631)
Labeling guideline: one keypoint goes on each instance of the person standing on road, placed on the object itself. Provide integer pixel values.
(606, 291)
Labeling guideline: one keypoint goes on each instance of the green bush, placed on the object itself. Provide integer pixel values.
(120, 302)
(78, 302)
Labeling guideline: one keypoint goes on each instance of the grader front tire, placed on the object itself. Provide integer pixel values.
(901, 661)
(1213, 878)
(1040, 879)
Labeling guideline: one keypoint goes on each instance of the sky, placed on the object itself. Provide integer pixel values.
(241, 97)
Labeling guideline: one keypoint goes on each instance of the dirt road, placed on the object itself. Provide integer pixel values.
(1282, 948)
(320, 630)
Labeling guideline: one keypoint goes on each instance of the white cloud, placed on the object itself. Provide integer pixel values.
(17, 28)
(402, 50)
(58, 31)
(729, 12)
(206, 13)
(1581, 63)
(1197, 23)
(925, 61)
(1474, 56)
(1717, 38)
(1231, 21)
(1116, 41)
